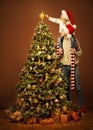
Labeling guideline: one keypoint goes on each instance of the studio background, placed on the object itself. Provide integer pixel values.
(18, 20)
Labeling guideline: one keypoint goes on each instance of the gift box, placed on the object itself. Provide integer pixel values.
(31, 120)
(64, 118)
(56, 116)
(46, 121)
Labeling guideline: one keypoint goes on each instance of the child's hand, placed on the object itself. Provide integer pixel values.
(59, 51)
(47, 16)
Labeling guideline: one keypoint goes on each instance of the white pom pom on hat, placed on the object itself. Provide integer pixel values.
(74, 26)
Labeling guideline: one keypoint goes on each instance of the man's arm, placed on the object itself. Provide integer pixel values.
(59, 50)
(78, 48)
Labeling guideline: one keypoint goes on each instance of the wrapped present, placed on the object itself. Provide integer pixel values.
(16, 116)
(31, 120)
(75, 116)
(64, 118)
(46, 121)
(55, 116)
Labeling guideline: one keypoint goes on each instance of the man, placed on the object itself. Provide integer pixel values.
(68, 47)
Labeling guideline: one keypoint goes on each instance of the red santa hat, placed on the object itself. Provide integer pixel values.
(68, 16)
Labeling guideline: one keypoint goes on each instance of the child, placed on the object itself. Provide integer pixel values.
(65, 22)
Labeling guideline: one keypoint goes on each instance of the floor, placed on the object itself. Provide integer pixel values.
(86, 123)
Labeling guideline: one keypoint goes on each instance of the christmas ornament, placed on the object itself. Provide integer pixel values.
(52, 70)
(33, 87)
(39, 52)
(41, 80)
(60, 79)
(64, 109)
(31, 68)
(29, 85)
(46, 76)
(38, 108)
(63, 96)
(35, 101)
(56, 100)
(47, 105)
(49, 57)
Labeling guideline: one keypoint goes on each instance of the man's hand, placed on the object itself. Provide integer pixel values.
(73, 51)
(59, 51)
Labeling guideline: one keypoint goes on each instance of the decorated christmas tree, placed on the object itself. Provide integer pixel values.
(41, 89)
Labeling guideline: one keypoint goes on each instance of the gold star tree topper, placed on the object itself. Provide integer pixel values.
(42, 15)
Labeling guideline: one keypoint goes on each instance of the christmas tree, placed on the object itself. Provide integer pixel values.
(41, 89)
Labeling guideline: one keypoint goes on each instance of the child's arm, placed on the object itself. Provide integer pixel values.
(55, 20)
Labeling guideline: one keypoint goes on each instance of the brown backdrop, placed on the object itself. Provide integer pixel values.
(18, 19)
